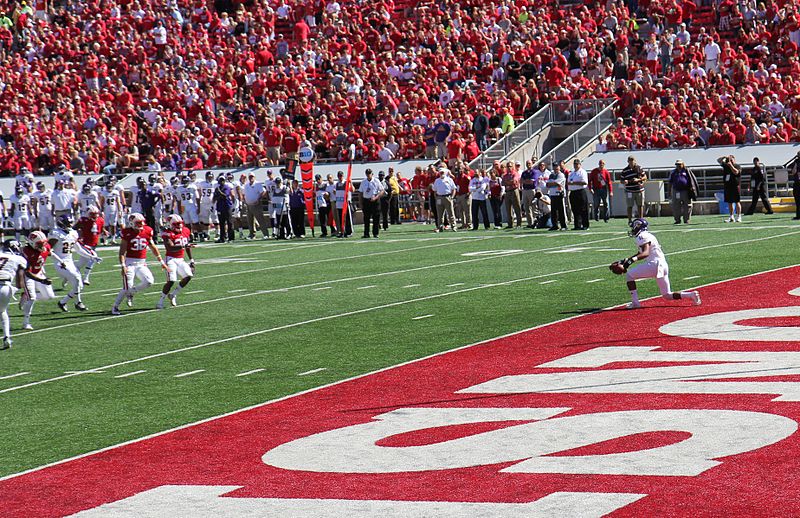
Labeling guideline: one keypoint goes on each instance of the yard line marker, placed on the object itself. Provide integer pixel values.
(13, 375)
(594, 280)
(323, 288)
(314, 371)
(183, 375)
(548, 282)
(193, 292)
(421, 317)
(335, 383)
(692, 277)
(454, 285)
(237, 291)
(92, 371)
(247, 373)
(413, 286)
(366, 287)
(128, 374)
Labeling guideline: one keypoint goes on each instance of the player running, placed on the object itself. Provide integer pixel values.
(20, 211)
(12, 278)
(176, 241)
(653, 266)
(89, 228)
(37, 285)
(136, 239)
(64, 239)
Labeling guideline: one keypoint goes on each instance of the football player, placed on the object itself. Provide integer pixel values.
(154, 205)
(63, 240)
(176, 242)
(25, 180)
(188, 202)
(170, 196)
(88, 197)
(12, 278)
(112, 198)
(20, 211)
(136, 239)
(66, 177)
(37, 285)
(136, 193)
(42, 207)
(89, 228)
(653, 266)
(208, 216)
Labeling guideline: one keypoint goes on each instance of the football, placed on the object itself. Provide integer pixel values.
(617, 268)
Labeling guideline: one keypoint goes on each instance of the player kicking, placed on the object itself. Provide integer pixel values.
(37, 285)
(176, 242)
(90, 228)
(653, 266)
(63, 239)
(136, 239)
(12, 277)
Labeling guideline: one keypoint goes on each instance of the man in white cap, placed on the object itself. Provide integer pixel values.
(445, 187)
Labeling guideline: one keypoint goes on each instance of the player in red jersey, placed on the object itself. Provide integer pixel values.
(176, 241)
(37, 286)
(90, 229)
(136, 239)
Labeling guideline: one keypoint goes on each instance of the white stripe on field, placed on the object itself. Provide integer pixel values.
(412, 286)
(421, 317)
(183, 375)
(237, 291)
(692, 277)
(548, 282)
(13, 375)
(594, 280)
(366, 287)
(454, 285)
(314, 371)
(193, 292)
(128, 374)
(324, 287)
(247, 373)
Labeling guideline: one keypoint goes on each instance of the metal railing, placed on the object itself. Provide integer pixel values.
(579, 110)
(526, 130)
(582, 137)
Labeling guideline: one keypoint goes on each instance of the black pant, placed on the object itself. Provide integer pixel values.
(579, 202)
(283, 225)
(432, 207)
(371, 215)
(394, 209)
(225, 224)
(347, 225)
(323, 220)
(761, 192)
(298, 220)
(558, 213)
(385, 212)
(497, 213)
(479, 206)
(796, 193)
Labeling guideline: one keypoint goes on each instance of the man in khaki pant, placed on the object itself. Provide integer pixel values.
(254, 194)
(445, 187)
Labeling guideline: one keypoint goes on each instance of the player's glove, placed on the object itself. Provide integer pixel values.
(46, 281)
(191, 265)
(628, 262)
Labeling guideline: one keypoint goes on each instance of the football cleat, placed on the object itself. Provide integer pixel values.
(80, 306)
(129, 301)
(86, 282)
(115, 311)
(160, 304)
(27, 326)
(173, 300)
(62, 307)
(633, 305)
(6, 343)
(696, 298)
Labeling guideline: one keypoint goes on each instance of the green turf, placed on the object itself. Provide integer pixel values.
(271, 291)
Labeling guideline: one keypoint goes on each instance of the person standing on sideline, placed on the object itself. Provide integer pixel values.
(254, 194)
(223, 198)
(323, 206)
(731, 178)
(577, 184)
(371, 192)
(478, 188)
(794, 177)
(511, 182)
(496, 191)
(463, 203)
(528, 182)
(758, 184)
(633, 178)
(395, 194)
(600, 185)
(384, 200)
(555, 189)
(345, 227)
(684, 191)
(279, 209)
(330, 188)
(297, 210)
(445, 188)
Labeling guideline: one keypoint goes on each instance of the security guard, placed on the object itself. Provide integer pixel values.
(372, 191)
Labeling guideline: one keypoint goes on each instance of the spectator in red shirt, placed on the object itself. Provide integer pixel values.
(602, 190)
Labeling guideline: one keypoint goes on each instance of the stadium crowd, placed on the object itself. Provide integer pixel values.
(189, 84)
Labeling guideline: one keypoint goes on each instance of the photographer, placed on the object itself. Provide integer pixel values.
(731, 178)
(542, 203)
(758, 184)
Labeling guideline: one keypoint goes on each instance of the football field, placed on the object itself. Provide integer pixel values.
(263, 320)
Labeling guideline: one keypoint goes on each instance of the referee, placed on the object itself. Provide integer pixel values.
(371, 192)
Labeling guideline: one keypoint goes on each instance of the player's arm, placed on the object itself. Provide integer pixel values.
(123, 254)
(157, 253)
(644, 253)
(20, 277)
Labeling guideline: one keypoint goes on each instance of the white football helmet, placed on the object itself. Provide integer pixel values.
(37, 240)
(175, 222)
(136, 220)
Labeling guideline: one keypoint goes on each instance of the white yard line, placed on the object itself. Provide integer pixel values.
(190, 373)
(548, 282)
(366, 287)
(323, 288)
(692, 277)
(129, 374)
(410, 285)
(237, 291)
(362, 311)
(421, 317)
(197, 291)
(314, 371)
(17, 375)
(594, 280)
(339, 382)
(247, 373)
(454, 285)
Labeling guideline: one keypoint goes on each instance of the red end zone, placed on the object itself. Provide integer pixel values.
(668, 410)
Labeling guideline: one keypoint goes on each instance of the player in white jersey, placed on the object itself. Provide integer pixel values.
(236, 210)
(137, 193)
(88, 197)
(170, 197)
(12, 278)
(42, 199)
(653, 265)
(20, 211)
(112, 199)
(208, 215)
(155, 191)
(64, 240)
(25, 180)
(66, 177)
(188, 202)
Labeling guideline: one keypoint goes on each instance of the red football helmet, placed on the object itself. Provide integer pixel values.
(175, 222)
(136, 220)
(37, 240)
(94, 212)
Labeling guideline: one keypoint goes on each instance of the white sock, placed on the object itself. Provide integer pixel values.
(6, 325)
(686, 294)
(176, 290)
(635, 296)
(163, 297)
